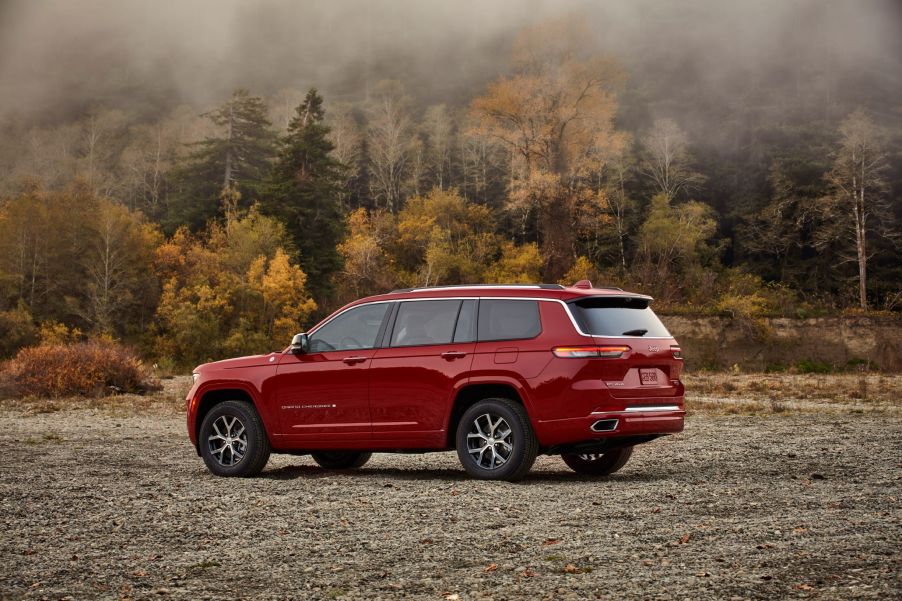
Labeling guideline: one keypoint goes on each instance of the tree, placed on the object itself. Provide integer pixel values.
(667, 161)
(367, 266)
(121, 288)
(856, 204)
(304, 189)
(389, 137)
(238, 158)
(672, 240)
(552, 114)
(439, 129)
(235, 290)
(347, 138)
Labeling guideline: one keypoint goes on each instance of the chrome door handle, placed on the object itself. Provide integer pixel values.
(454, 355)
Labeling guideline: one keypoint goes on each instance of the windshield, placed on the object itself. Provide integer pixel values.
(613, 316)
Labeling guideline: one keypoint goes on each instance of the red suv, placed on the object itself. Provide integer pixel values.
(499, 373)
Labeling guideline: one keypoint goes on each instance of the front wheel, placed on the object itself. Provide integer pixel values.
(233, 440)
(495, 440)
(341, 460)
(598, 464)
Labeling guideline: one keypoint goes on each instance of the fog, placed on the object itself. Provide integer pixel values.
(59, 58)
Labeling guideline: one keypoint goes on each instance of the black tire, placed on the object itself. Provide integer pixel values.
(341, 460)
(595, 464)
(522, 441)
(255, 444)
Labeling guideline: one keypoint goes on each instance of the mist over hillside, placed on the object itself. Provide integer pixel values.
(60, 58)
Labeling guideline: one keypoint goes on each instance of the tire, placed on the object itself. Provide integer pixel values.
(479, 452)
(595, 464)
(233, 441)
(341, 460)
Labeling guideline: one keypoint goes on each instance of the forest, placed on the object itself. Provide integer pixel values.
(746, 172)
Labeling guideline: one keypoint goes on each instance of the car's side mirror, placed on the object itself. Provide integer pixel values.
(299, 344)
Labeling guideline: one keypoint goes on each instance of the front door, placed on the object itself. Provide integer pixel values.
(323, 394)
(413, 379)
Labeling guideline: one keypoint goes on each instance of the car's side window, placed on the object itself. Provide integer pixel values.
(356, 328)
(425, 322)
(466, 322)
(508, 319)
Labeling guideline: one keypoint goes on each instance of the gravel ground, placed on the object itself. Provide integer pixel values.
(98, 505)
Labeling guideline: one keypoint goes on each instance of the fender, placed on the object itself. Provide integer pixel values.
(216, 384)
(501, 378)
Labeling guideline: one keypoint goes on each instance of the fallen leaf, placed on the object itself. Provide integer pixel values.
(491, 567)
(426, 541)
(804, 587)
(703, 574)
(684, 539)
(572, 569)
(528, 573)
(551, 541)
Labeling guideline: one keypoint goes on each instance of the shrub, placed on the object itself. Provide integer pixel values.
(93, 368)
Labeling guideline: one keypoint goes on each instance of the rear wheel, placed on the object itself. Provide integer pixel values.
(495, 440)
(233, 440)
(598, 464)
(341, 460)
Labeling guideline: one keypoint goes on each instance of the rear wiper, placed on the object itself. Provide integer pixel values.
(635, 333)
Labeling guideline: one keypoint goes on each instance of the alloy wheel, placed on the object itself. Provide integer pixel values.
(490, 441)
(228, 441)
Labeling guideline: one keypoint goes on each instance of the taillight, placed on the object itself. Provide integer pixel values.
(677, 352)
(583, 352)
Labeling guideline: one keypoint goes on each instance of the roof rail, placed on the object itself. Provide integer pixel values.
(540, 286)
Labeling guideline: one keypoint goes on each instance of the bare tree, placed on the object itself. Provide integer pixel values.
(667, 162)
(347, 137)
(439, 128)
(857, 201)
(389, 137)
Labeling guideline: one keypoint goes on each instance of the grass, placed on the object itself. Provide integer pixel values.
(170, 399)
(722, 393)
(731, 393)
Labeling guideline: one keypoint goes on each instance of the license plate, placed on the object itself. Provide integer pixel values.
(648, 376)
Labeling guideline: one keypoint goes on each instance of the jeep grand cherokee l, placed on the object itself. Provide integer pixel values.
(499, 373)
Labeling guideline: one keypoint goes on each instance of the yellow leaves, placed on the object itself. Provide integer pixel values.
(517, 264)
(236, 290)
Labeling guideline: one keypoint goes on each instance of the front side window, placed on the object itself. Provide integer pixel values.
(508, 319)
(425, 322)
(618, 316)
(356, 328)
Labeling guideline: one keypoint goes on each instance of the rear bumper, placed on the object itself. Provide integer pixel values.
(633, 421)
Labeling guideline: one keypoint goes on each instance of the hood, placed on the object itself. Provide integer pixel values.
(238, 362)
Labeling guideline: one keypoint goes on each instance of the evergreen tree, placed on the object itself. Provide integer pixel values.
(303, 191)
(222, 168)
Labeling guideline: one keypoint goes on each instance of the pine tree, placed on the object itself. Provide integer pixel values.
(235, 161)
(303, 191)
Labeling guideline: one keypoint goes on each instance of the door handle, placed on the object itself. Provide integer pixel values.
(353, 360)
(454, 355)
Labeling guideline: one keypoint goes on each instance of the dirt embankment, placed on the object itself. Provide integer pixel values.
(721, 342)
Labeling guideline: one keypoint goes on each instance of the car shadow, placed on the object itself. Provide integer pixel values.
(312, 472)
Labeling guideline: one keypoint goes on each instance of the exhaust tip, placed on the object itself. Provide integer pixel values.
(604, 425)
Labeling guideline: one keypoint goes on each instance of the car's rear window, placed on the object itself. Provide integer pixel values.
(617, 316)
(508, 319)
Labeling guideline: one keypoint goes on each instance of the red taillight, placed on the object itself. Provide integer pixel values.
(677, 352)
(583, 352)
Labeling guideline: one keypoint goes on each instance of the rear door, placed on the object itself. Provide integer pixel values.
(649, 368)
(414, 377)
